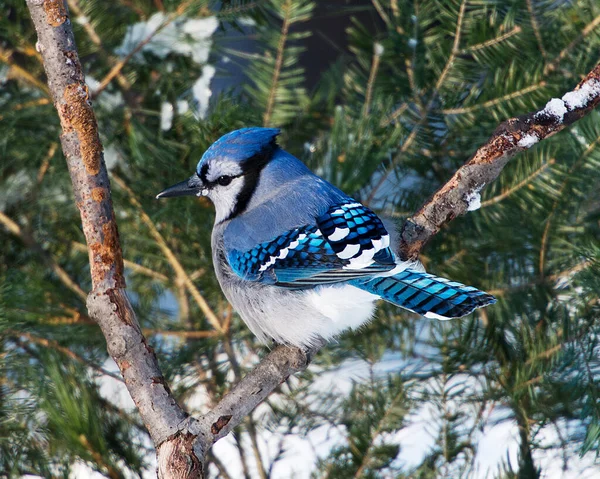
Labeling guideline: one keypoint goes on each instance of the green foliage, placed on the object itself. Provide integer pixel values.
(389, 122)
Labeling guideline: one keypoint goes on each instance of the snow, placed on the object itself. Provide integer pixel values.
(166, 116)
(201, 89)
(580, 98)
(473, 199)
(579, 137)
(378, 49)
(107, 100)
(185, 36)
(3, 74)
(554, 108)
(528, 140)
(182, 107)
(111, 157)
(82, 20)
(246, 21)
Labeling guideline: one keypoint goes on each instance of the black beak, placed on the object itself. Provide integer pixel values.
(191, 187)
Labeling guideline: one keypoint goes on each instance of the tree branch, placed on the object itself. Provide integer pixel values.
(181, 441)
(107, 304)
(511, 137)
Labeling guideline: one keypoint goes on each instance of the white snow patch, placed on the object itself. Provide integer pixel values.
(246, 21)
(185, 36)
(106, 99)
(473, 199)
(111, 157)
(579, 137)
(528, 140)
(556, 108)
(309, 147)
(378, 49)
(202, 91)
(580, 98)
(166, 116)
(182, 107)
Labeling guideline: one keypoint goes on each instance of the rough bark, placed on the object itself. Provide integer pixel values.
(108, 304)
(182, 441)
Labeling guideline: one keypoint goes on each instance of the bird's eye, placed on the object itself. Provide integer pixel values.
(224, 180)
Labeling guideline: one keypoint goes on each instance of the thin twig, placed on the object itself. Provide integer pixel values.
(364, 463)
(136, 268)
(413, 134)
(16, 71)
(50, 261)
(495, 101)
(117, 67)
(52, 344)
(371, 81)
(96, 40)
(536, 29)
(175, 264)
(494, 41)
(576, 41)
(286, 9)
(384, 16)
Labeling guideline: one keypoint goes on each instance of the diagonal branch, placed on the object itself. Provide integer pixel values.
(511, 137)
(175, 264)
(50, 261)
(286, 9)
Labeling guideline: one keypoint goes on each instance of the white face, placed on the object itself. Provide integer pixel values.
(224, 196)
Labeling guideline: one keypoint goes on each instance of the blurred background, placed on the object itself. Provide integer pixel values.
(385, 99)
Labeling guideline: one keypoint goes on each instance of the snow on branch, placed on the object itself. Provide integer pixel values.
(461, 193)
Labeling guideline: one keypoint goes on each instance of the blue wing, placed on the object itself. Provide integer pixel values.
(348, 242)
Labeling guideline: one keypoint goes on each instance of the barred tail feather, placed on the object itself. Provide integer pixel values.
(428, 295)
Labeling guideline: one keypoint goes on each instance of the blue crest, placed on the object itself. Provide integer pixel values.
(239, 145)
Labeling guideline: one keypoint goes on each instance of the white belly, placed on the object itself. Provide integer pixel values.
(346, 307)
(300, 318)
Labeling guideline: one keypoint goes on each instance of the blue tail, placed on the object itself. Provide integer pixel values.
(427, 295)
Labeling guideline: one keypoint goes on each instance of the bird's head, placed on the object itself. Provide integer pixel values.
(229, 170)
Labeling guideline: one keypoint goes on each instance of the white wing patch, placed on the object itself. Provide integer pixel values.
(283, 253)
(363, 260)
(431, 315)
(339, 233)
(349, 251)
(366, 257)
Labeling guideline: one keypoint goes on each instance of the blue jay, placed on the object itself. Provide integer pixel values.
(297, 258)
